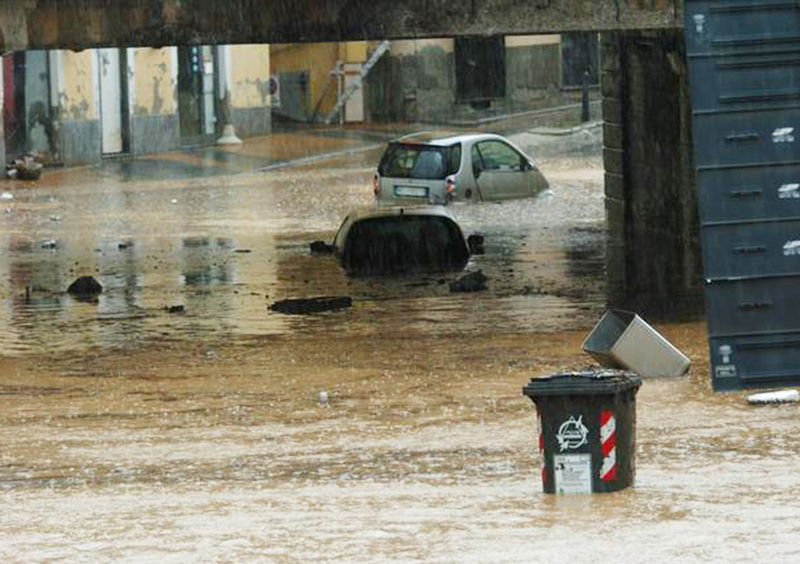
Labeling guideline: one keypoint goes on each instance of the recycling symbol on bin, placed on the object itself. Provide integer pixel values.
(572, 433)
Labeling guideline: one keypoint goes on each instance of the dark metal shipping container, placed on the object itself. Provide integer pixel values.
(744, 74)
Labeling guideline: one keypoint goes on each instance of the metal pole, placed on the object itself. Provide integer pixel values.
(585, 97)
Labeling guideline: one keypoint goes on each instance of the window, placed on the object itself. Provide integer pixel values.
(420, 161)
(495, 155)
(455, 159)
(580, 54)
(480, 68)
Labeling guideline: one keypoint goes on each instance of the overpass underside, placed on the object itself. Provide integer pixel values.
(653, 251)
(77, 24)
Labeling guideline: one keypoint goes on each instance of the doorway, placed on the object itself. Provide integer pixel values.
(480, 68)
(197, 89)
(26, 113)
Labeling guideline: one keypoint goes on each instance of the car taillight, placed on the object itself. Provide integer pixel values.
(450, 188)
(376, 184)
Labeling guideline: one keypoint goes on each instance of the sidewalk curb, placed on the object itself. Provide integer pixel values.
(556, 132)
(316, 158)
(540, 112)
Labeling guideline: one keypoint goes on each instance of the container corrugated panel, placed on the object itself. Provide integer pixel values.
(763, 136)
(737, 250)
(740, 26)
(746, 81)
(748, 307)
(749, 193)
(756, 360)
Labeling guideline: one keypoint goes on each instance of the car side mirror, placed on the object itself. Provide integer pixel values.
(321, 248)
(475, 244)
(476, 172)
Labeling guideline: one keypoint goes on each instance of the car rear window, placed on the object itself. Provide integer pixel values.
(404, 243)
(420, 161)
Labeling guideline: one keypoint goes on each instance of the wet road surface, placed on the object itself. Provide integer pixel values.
(131, 434)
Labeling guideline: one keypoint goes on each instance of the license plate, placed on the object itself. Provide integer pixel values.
(412, 191)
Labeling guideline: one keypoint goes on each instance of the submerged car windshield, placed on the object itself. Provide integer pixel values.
(420, 161)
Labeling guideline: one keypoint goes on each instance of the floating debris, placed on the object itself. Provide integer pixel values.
(28, 169)
(472, 282)
(320, 248)
(302, 306)
(780, 396)
(623, 339)
(85, 286)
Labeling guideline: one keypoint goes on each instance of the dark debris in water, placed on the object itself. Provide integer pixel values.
(472, 282)
(300, 306)
(320, 248)
(85, 286)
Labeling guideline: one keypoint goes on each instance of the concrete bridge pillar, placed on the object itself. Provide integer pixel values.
(2, 127)
(653, 250)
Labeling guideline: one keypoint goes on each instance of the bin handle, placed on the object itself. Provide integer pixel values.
(752, 306)
(742, 137)
(755, 192)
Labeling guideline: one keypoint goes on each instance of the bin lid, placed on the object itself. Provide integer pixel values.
(586, 382)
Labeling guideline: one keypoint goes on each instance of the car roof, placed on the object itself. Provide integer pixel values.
(359, 214)
(391, 211)
(449, 140)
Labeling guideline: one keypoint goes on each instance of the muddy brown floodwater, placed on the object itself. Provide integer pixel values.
(131, 434)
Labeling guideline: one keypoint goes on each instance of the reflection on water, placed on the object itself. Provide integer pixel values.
(225, 247)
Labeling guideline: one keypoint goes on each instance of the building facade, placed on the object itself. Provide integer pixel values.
(434, 80)
(470, 78)
(312, 76)
(79, 107)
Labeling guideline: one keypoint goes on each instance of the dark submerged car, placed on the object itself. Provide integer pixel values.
(400, 240)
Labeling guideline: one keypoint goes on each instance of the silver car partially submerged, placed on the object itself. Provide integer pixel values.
(473, 167)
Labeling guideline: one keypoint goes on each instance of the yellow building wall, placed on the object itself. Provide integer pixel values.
(530, 40)
(154, 85)
(318, 59)
(353, 51)
(77, 95)
(250, 70)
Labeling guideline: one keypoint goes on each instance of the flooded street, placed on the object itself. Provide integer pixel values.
(129, 433)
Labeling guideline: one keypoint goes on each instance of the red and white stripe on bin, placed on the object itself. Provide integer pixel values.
(608, 446)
